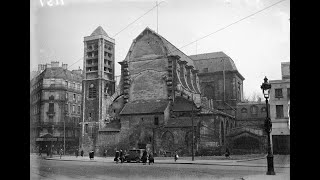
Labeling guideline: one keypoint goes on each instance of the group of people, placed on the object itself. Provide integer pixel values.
(146, 157)
(119, 156)
(77, 152)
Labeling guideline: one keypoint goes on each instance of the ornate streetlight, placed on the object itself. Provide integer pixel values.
(268, 125)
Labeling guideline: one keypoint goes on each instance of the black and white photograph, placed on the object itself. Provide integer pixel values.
(160, 89)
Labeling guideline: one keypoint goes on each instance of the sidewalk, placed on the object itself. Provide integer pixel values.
(171, 161)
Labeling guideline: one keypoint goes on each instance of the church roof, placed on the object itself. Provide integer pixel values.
(99, 31)
(214, 62)
(172, 50)
(145, 107)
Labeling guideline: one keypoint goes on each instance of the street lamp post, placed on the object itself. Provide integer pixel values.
(51, 141)
(192, 133)
(268, 125)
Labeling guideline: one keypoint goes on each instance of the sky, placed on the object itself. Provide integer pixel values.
(257, 44)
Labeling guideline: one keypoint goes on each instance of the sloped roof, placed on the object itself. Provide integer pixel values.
(170, 47)
(59, 72)
(216, 61)
(145, 107)
(99, 31)
(182, 104)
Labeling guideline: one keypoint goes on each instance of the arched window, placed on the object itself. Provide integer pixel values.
(92, 91)
(243, 110)
(208, 92)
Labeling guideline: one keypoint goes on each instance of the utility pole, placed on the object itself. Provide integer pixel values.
(224, 82)
(192, 129)
(64, 136)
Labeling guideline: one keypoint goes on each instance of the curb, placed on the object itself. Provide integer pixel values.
(243, 160)
(198, 163)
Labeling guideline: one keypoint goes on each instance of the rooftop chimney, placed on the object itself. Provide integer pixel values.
(64, 66)
(285, 70)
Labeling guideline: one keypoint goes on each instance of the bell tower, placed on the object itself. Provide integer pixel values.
(98, 83)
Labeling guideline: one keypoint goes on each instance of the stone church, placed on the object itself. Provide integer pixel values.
(158, 104)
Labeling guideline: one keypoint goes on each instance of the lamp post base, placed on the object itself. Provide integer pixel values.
(270, 165)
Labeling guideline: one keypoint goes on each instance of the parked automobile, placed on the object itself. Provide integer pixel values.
(134, 155)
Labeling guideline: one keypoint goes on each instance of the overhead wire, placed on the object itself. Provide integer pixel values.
(246, 17)
(138, 18)
(123, 28)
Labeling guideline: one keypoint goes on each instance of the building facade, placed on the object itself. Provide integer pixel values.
(249, 136)
(55, 108)
(279, 111)
(158, 104)
(220, 81)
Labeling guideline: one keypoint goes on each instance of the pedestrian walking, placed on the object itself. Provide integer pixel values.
(176, 156)
(81, 153)
(116, 158)
(61, 152)
(151, 159)
(121, 155)
(91, 154)
(227, 154)
(144, 157)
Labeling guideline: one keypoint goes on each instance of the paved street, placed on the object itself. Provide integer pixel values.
(104, 168)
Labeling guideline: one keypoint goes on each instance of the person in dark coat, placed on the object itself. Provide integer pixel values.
(144, 157)
(116, 158)
(121, 156)
(227, 153)
(81, 152)
(151, 159)
(91, 154)
(60, 152)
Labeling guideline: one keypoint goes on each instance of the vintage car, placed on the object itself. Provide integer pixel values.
(134, 155)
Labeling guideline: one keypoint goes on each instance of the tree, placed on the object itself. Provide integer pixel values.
(254, 97)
